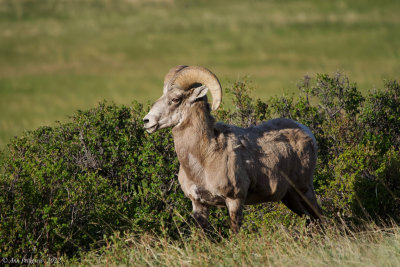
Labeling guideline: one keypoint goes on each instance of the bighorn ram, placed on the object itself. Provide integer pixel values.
(224, 165)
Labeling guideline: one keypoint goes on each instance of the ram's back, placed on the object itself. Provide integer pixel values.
(276, 154)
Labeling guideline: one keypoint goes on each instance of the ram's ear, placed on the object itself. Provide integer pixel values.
(198, 93)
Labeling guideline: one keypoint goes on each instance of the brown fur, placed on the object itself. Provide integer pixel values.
(223, 164)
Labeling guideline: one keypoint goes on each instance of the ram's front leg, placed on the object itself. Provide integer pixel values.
(200, 214)
(235, 207)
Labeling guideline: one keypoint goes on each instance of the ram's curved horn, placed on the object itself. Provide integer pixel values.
(188, 76)
(171, 73)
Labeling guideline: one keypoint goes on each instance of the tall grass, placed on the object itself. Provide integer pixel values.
(336, 245)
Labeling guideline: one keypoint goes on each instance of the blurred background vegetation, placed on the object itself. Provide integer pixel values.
(57, 56)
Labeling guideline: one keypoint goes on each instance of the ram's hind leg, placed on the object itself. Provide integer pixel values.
(293, 201)
(305, 204)
(311, 205)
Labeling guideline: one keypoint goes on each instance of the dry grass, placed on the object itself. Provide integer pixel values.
(271, 246)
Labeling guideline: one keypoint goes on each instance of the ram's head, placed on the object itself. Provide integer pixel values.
(183, 86)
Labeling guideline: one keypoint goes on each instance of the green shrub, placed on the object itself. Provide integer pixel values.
(379, 192)
(65, 188)
(381, 116)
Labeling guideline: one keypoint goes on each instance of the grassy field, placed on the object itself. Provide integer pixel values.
(279, 246)
(59, 56)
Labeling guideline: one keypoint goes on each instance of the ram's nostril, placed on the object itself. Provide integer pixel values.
(145, 120)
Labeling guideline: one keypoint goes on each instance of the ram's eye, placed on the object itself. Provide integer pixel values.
(175, 100)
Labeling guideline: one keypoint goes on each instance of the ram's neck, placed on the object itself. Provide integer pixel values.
(194, 137)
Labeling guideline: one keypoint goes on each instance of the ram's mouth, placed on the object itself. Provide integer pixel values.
(152, 128)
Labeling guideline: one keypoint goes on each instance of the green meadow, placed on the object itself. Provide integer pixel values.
(60, 56)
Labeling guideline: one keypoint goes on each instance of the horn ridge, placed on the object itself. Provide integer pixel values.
(171, 73)
(186, 77)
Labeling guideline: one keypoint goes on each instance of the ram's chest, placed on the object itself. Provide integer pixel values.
(203, 186)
